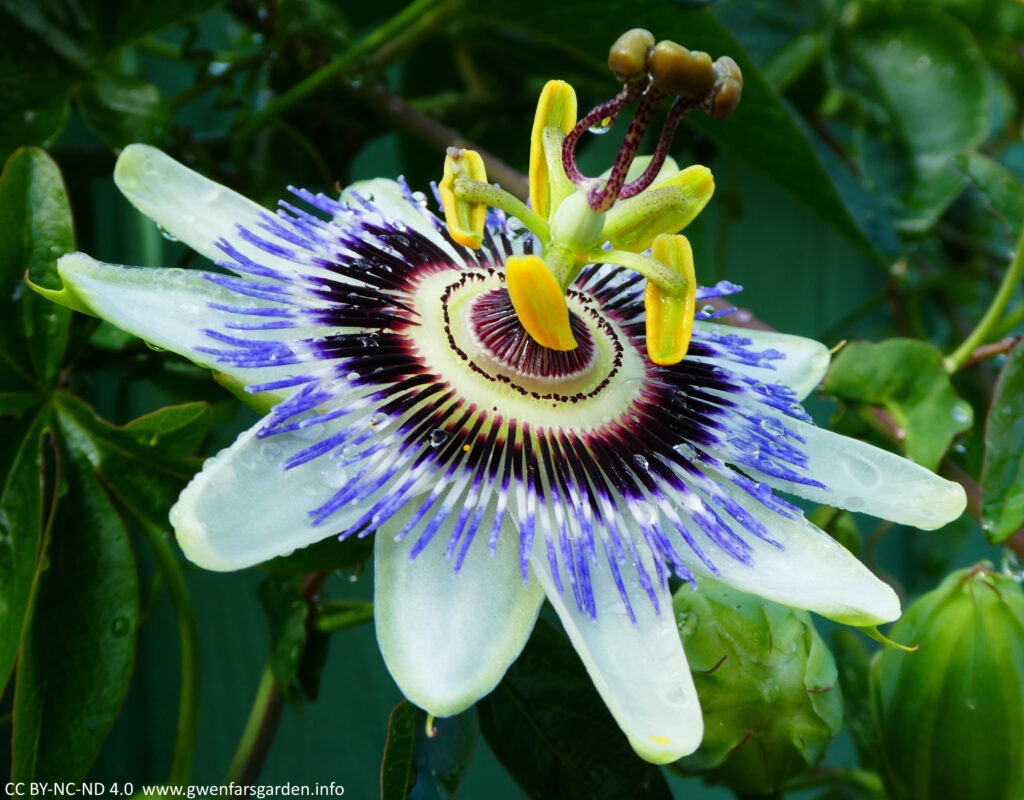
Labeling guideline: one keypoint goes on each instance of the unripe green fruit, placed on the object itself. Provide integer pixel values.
(676, 70)
(951, 715)
(767, 685)
(627, 57)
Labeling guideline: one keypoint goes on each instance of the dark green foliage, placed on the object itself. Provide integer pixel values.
(547, 725)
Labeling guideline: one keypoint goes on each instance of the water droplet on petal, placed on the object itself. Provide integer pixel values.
(438, 437)
(641, 461)
(333, 476)
(166, 234)
(272, 453)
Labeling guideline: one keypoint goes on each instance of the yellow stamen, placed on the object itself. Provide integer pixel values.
(556, 108)
(540, 302)
(465, 219)
(670, 316)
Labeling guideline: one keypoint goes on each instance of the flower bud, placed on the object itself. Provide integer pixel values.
(728, 88)
(951, 715)
(767, 685)
(627, 57)
(676, 70)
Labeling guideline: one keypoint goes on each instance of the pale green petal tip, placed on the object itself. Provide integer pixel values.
(192, 533)
(66, 295)
(135, 161)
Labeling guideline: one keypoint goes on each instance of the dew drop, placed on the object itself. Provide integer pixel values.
(707, 309)
(307, 432)
(641, 461)
(862, 472)
(352, 376)
(960, 413)
(379, 420)
(120, 626)
(420, 199)
(272, 453)
(772, 426)
(602, 127)
(972, 703)
(644, 512)
(333, 476)
(438, 437)
(166, 234)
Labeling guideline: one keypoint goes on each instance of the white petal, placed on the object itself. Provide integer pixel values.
(802, 369)
(447, 639)
(169, 308)
(862, 477)
(639, 669)
(191, 207)
(811, 570)
(244, 508)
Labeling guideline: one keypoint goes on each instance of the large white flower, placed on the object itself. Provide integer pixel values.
(412, 400)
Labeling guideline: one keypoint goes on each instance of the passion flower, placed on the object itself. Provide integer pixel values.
(519, 401)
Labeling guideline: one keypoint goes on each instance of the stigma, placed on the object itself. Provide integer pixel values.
(631, 216)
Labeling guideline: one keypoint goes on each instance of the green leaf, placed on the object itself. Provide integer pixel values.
(40, 125)
(1002, 477)
(1003, 194)
(83, 33)
(287, 610)
(35, 229)
(144, 462)
(906, 377)
(926, 84)
(547, 725)
(762, 131)
(21, 528)
(123, 110)
(424, 767)
(78, 646)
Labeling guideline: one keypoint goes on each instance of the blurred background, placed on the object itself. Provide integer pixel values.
(867, 188)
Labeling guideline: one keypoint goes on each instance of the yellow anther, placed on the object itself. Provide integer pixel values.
(670, 316)
(668, 206)
(465, 219)
(556, 108)
(539, 302)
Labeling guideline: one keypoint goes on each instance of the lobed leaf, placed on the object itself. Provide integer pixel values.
(906, 377)
(1002, 476)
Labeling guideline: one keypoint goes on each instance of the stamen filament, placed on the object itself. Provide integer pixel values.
(652, 269)
(476, 191)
